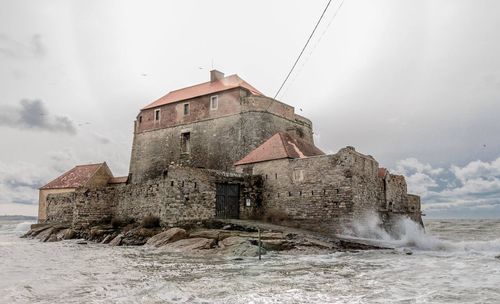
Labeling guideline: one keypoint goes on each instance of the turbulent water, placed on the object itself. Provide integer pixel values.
(454, 262)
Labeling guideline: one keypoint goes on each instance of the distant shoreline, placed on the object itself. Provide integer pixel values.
(18, 218)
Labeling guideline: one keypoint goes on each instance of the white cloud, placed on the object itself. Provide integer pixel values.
(474, 186)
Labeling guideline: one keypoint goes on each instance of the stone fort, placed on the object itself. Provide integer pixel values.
(222, 149)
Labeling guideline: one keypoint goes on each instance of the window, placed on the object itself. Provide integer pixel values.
(186, 109)
(298, 175)
(185, 144)
(157, 115)
(214, 102)
(140, 119)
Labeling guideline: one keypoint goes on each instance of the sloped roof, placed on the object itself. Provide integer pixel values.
(226, 83)
(74, 178)
(280, 145)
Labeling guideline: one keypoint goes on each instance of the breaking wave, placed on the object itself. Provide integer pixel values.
(409, 234)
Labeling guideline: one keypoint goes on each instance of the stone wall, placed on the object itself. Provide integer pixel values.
(328, 192)
(181, 195)
(42, 201)
(60, 207)
(215, 143)
(322, 192)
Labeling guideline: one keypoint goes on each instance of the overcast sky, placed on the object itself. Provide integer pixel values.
(416, 84)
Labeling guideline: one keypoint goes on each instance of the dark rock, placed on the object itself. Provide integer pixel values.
(81, 242)
(277, 245)
(69, 234)
(52, 238)
(45, 234)
(407, 251)
(35, 230)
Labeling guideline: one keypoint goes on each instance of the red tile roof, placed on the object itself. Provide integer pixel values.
(74, 178)
(226, 83)
(118, 180)
(280, 145)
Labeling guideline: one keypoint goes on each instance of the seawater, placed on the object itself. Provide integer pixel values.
(453, 262)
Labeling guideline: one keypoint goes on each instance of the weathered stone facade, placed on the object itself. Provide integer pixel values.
(182, 195)
(184, 149)
(321, 192)
(218, 138)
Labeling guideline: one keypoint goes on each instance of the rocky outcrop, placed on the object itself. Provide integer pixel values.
(232, 240)
(166, 237)
(189, 245)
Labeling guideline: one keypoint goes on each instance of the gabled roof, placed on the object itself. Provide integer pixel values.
(226, 83)
(77, 177)
(280, 145)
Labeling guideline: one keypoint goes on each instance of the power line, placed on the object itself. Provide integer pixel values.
(301, 67)
(303, 49)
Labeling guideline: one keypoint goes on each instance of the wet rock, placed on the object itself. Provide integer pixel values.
(69, 234)
(263, 235)
(45, 234)
(245, 249)
(66, 234)
(277, 245)
(190, 244)
(207, 234)
(52, 238)
(407, 251)
(166, 237)
(117, 241)
(215, 234)
(240, 246)
(108, 238)
(36, 229)
(233, 240)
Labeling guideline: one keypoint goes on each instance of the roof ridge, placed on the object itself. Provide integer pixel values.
(94, 164)
(202, 83)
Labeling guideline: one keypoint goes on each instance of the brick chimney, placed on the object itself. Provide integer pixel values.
(216, 75)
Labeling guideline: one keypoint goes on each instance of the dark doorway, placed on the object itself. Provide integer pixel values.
(227, 202)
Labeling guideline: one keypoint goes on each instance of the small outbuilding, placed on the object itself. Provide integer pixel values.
(82, 176)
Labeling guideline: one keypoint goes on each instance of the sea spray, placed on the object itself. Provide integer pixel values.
(408, 234)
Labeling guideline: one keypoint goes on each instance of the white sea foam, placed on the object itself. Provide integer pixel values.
(23, 227)
(66, 272)
(409, 234)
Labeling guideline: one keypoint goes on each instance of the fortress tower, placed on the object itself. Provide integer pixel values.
(210, 125)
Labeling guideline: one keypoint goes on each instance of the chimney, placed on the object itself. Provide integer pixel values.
(216, 75)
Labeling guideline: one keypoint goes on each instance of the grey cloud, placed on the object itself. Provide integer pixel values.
(14, 49)
(102, 139)
(32, 114)
(474, 187)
